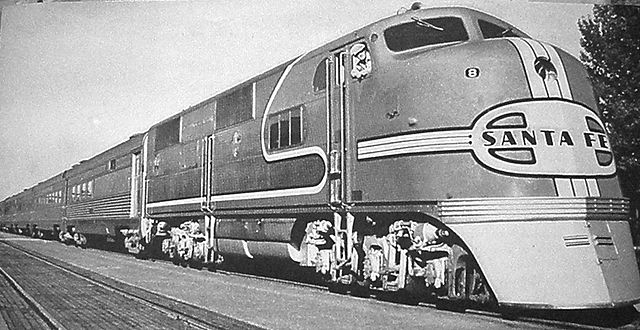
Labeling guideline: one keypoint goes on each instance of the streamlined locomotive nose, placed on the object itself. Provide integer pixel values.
(505, 134)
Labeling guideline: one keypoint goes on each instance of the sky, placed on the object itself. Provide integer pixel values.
(77, 78)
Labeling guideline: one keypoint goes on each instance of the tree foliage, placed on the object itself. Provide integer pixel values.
(611, 54)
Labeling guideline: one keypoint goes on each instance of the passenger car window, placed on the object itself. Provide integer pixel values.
(490, 30)
(424, 32)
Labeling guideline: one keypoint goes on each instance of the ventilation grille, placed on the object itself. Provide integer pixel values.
(576, 240)
(603, 240)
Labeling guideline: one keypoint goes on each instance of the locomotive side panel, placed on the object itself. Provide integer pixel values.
(240, 173)
(420, 127)
(279, 171)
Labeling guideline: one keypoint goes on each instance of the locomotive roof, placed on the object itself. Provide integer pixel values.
(133, 143)
(379, 26)
(376, 27)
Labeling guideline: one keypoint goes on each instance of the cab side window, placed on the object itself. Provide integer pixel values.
(320, 77)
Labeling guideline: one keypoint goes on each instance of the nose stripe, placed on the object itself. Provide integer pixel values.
(529, 50)
(553, 88)
(536, 85)
(562, 81)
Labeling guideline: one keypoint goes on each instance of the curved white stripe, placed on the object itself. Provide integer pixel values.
(553, 88)
(286, 154)
(314, 150)
(563, 81)
(528, 57)
(245, 247)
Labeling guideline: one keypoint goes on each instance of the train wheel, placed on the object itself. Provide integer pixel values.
(361, 289)
(414, 289)
(195, 264)
(175, 259)
(336, 287)
(460, 281)
(469, 285)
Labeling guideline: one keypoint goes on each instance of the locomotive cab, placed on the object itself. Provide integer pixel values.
(502, 133)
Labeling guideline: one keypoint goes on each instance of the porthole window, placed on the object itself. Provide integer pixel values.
(320, 77)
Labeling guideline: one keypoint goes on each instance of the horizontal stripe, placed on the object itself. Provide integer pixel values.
(93, 216)
(175, 202)
(197, 201)
(532, 208)
(424, 142)
(111, 207)
(103, 201)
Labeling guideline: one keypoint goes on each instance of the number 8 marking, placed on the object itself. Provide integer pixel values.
(472, 72)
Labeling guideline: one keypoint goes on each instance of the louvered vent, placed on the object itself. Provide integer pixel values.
(576, 240)
(603, 240)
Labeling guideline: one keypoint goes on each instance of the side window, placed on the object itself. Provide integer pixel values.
(286, 128)
(490, 30)
(235, 107)
(320, 77)
(168, 134)
(90, 189)
(77, 192)
(111, 165)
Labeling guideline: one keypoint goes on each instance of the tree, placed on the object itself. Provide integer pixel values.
(611, 54)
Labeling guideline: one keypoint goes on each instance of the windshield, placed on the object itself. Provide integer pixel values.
(490, 30)
(424, 32)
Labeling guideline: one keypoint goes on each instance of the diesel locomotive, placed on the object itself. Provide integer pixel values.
(439, 153)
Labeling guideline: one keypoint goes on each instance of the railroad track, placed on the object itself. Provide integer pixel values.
(70, 297)
(192, 315)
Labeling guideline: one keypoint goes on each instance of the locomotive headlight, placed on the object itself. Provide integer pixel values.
(545, 69)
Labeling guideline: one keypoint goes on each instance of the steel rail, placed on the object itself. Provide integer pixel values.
(475, 310)
(142, 296)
